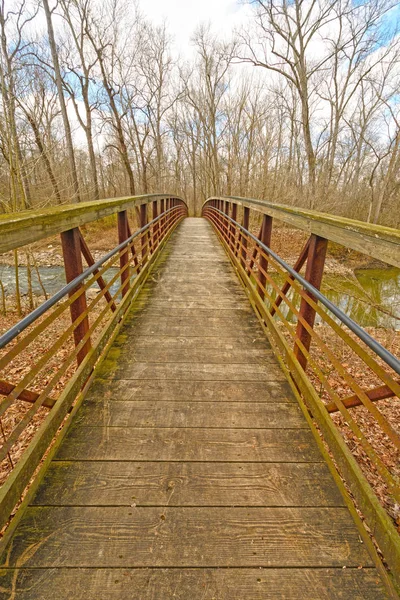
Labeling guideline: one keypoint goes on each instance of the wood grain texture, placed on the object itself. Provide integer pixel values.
(188, 484)
(193, 584)
(240, 415)
(193, 372)
(187, 327)
(195, 391)
(187, 537)
(233, 445)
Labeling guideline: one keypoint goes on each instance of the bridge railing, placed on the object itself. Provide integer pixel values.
(47, 360)
(324, 353)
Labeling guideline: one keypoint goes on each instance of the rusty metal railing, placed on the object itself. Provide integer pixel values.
(346, 418)
(47, 360)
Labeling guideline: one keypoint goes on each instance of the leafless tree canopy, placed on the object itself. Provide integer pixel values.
(300, 107)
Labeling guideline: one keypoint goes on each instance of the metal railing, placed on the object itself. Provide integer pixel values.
(326, 364)
(47, 360)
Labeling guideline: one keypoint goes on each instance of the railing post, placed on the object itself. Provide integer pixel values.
(155, 226)
(123, 234)
(314, 272)
(162, 220)
(265, 238)
(71, 247)
(143, 223)
(234, 217)
(243, 238)
(226, 221)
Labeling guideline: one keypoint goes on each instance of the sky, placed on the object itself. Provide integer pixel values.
(184, 16)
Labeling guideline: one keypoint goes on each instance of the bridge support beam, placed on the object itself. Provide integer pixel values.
(314, 272)
(71, 247)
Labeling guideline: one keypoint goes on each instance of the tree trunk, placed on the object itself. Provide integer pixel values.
(58, 80)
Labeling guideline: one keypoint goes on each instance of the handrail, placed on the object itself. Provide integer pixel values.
(324, 366)
(52, 381)
(14, 331)
(22, 228)
(377, 241)
(389, 358)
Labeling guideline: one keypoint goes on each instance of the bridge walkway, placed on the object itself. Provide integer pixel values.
(190, 471)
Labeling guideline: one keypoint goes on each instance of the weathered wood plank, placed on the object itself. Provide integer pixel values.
(171, 312)
(195, 391)
(209, 302)
(241, 415)
(233, 445)
(235, 345)
(198, 288)
(164, 353)
(187, 327)
(192, 371)
(191, 484)
(213, 537)
(196, 584)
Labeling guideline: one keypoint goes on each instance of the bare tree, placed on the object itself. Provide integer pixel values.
(63, 106)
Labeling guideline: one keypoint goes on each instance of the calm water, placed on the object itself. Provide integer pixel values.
(53, 279)
(371, 297)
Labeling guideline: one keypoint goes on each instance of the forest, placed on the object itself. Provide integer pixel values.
(299, 106)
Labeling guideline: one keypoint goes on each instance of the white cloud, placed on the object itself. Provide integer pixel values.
(184, 16)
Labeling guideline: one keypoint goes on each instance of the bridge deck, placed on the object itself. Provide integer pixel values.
(190, 471)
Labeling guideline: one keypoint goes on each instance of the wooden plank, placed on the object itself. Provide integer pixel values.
(208, 302)
(195, 391)
(232, 350)
(197, 276)
(187, 327)
(240, 415)
(173, 344)
(268, 371)
(377, 241)
(196, 584)
(210, 288)
(212, 445)
(188, 484)
(140, 537)
(170, 311)
(19, 229)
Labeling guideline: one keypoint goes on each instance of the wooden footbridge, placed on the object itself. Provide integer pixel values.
(195, 432)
